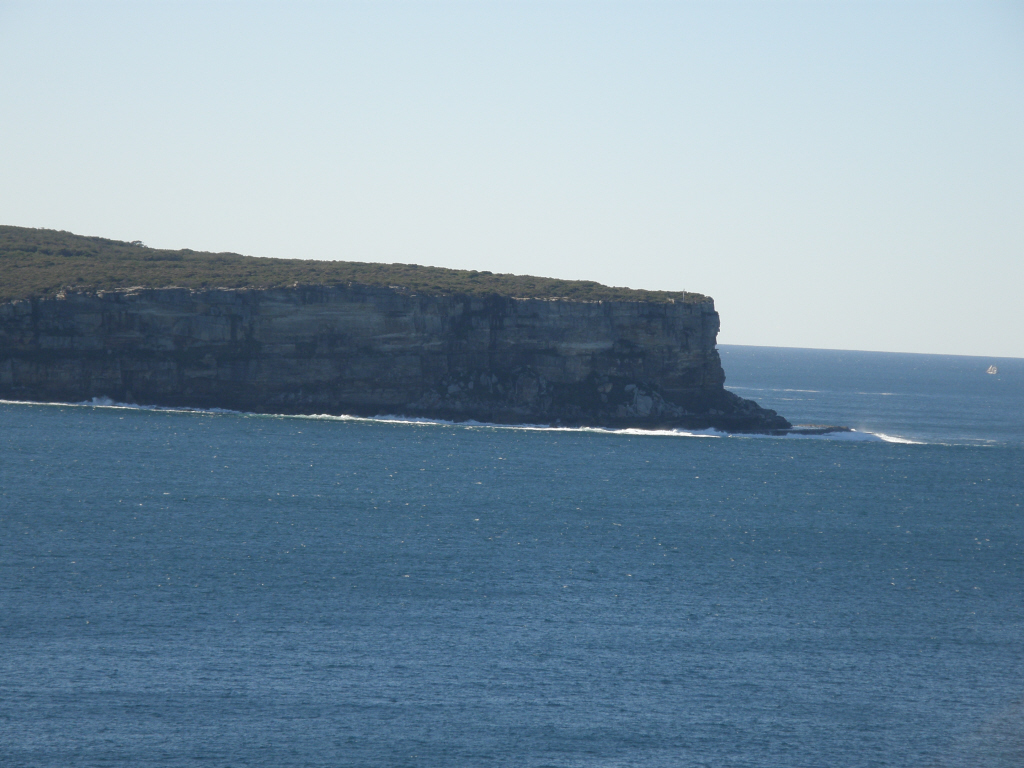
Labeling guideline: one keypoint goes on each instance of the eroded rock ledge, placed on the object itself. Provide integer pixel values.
(359, 350)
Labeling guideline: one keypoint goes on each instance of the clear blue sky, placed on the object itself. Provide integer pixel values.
(836, 175)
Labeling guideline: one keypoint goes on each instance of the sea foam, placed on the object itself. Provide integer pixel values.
(416, 421)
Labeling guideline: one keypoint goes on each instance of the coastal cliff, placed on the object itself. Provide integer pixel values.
(373, 350)
(370, 351)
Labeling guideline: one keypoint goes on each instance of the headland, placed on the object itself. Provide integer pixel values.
(84, 317)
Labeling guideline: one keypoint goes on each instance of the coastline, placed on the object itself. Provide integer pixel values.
(366, 351)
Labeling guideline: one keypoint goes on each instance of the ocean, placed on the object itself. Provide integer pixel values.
(196, 588)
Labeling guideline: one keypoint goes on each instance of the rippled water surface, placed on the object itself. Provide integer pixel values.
(195, 589)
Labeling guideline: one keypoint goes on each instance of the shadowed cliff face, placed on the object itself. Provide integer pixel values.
(370, 351)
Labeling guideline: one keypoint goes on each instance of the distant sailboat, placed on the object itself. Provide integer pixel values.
(992, 369)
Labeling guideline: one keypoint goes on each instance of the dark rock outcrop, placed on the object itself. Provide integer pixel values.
(371, 351)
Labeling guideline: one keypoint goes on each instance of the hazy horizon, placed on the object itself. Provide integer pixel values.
(834, 175)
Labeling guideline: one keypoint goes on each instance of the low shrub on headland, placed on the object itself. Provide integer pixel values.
(43, 262)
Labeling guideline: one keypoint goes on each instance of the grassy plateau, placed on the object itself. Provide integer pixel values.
(43, 262)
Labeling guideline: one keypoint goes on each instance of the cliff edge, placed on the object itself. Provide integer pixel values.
(643, 359)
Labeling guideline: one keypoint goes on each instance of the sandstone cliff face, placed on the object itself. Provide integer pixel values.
(370, 351)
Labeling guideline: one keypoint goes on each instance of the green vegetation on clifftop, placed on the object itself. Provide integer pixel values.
(42, 262)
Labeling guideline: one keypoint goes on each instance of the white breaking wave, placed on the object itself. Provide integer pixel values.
(894, 439)
(106, 402)
(472, 424)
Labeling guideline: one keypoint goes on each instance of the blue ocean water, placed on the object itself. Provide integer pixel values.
(217, 589)
(932, 398)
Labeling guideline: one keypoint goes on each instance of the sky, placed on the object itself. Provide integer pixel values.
(839, 175)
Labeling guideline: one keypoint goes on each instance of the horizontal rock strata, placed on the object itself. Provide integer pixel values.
(372, 351)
